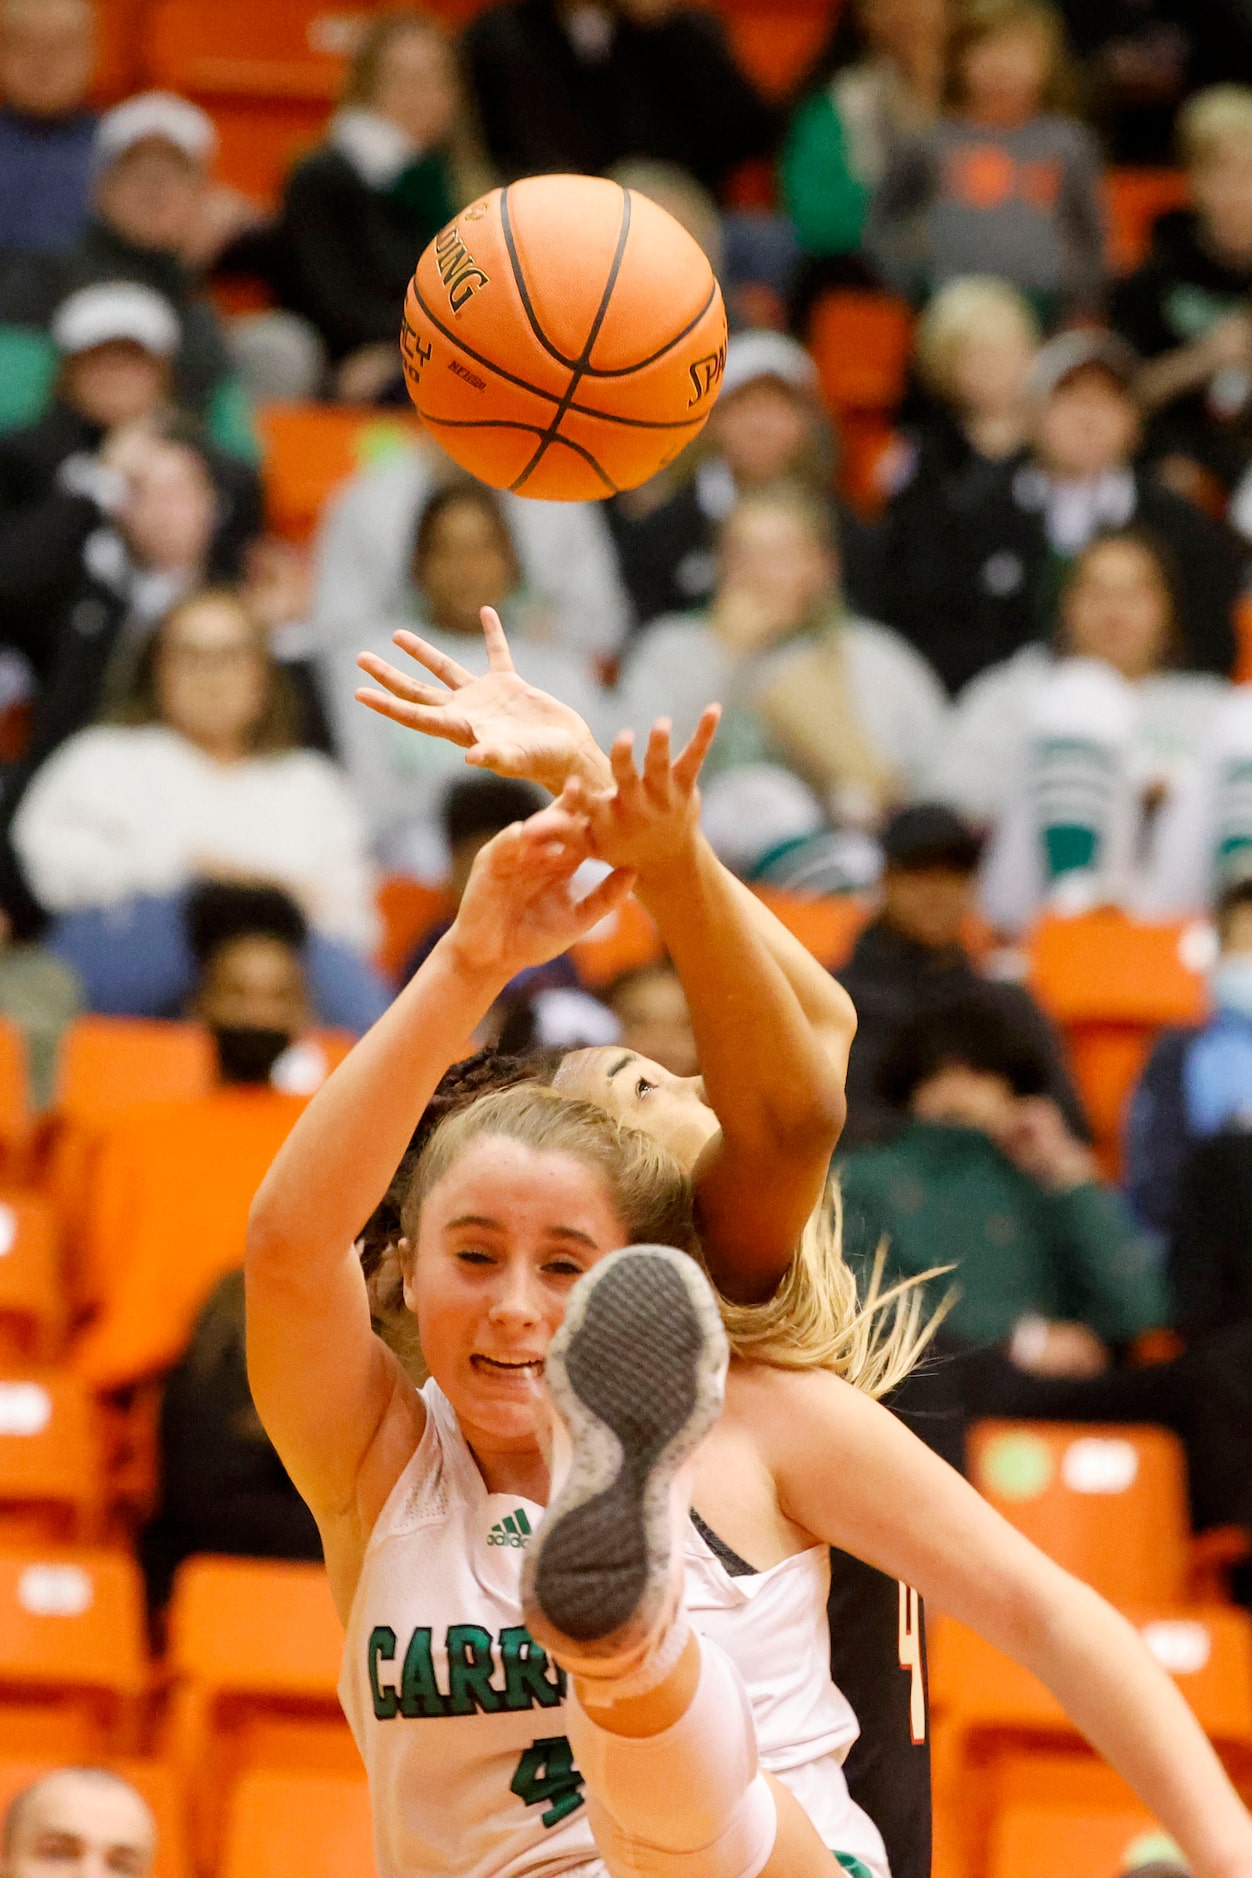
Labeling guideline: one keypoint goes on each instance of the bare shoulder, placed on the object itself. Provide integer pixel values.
(346, 1530)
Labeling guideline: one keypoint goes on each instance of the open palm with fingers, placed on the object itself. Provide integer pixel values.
(501, 722)
(520, 907)
(647, 820)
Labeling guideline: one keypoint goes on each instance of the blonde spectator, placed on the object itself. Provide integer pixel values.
(974, 347)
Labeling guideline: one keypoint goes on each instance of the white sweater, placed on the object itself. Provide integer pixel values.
(120, 811)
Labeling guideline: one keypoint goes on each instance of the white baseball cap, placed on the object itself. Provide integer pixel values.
(155, 114)
(751, 810)
(117, 309)
(764, 354)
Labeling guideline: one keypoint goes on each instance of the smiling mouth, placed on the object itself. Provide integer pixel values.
(531, 1368)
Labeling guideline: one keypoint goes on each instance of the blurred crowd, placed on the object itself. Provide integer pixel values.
(1005, 676)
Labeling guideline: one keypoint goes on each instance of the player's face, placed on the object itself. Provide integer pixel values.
(672, 1109)
(503, 1239)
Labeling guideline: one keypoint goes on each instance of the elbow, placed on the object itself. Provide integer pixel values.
(267, 1243)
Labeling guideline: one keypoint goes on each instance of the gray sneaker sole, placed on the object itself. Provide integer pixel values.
(636, 1373)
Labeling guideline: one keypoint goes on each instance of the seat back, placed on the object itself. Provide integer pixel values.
(408, 908)
(52, 1477)
(72, 1640)
(1059, 1841)
(622, 942)
(16, 1115)
(1107, 1502)
(317, 1825)
(1111, 982)
(157, 1784)
(828, 927)
(28, 365)
(32, 1290)
(1135, 199)
(860, 341)
(109, 1064)
(776, 44)
(310, 449)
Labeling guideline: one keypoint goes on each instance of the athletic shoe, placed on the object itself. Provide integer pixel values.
(637, 1373)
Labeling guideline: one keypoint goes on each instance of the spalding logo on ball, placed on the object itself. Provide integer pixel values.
(564, 337)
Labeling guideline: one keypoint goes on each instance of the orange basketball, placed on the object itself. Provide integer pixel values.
(563, 337)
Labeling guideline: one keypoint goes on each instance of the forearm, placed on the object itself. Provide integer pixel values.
(343, 1152)
(1173, 374)
(1128, 1708)
(768, 1070)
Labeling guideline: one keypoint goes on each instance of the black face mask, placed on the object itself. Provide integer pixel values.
(246, 1054)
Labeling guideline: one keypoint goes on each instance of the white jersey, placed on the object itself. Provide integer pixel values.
(458, 1714)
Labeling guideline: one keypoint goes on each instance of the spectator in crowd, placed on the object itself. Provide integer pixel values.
(74, 524)
(223, 1488)
(1072, 754)
(39, 994)
(47, 49)
(398, 160)
(152, 157)
(581, 87)
(912, 959)
(877, 83)
(250, 947)
(79, 1821)
(474, 808)
(1004, 564)
(1198, 1080)
(462, 559)
(364, 559)
(650, 1006)
(198, 778)
(1210, 1247)
(843, 702)
(1142, 57)
(986, 1178)
(1007, 183)
(973, 352)
(1186, 309)
(1203, 839)
(768, 425)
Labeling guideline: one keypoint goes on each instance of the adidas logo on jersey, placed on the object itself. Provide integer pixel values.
(513, 1529)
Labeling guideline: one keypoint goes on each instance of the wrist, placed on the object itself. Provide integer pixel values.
(676, 873)
(474, 968)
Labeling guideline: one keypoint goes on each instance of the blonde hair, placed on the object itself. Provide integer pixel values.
(960, 312)
(470, 171)
(815, 1319)
(977, 20)
(1210, 119)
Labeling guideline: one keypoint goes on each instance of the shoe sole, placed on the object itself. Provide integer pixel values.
(636, 1373)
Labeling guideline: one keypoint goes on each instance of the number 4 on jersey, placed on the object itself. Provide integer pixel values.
(911, 1659)
(546, 1772)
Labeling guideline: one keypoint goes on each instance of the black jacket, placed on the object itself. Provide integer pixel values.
(892, 981)
(1210, 1257)
(345, 253)
(970, 576)
(1178, 294)
(202, 363)
(671, 91)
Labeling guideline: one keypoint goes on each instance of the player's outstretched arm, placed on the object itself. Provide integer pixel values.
(767, 1074)
(738, 963)
(860, 1480)
(340, 1411)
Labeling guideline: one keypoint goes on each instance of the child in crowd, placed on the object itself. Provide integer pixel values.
(1186, 310)
(863, 101)
(1073, 755)
(463, 557)
(1007, 183)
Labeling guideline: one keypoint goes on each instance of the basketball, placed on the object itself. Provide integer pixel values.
(564, 338)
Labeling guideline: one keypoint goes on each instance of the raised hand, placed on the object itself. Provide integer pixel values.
(647, 822)
(519, 907)
(501, 722)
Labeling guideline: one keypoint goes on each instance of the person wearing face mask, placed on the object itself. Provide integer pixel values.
(1076, 757)
(1198, 1081)
(840, 700)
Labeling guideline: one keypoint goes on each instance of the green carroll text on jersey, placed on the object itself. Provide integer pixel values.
(486, 1675)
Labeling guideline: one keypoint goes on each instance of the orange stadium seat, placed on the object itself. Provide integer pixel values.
(17, 1119)
(1135, 199)
(861, 341)
(254, 1651)
(621, 942)
(166, 1218)
(828, 927)
(32, 1285)
(1111, 982)
(310, 449)
(52, 1481)
(73, 1665)
(988, 1713)
(157, 1783)
(1108, 1503)
(317, 1825)
(1059, 1841)
(407, 908)
(776, 43)
(119, 47)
